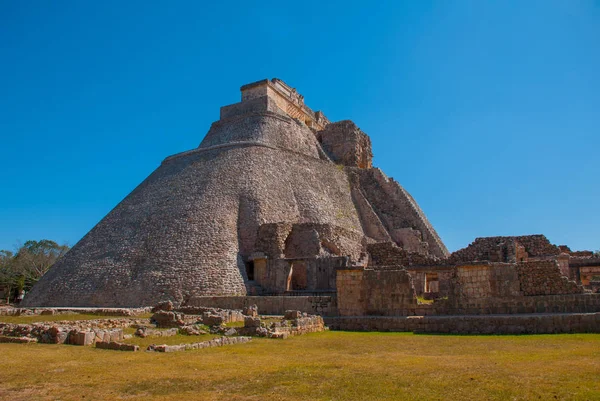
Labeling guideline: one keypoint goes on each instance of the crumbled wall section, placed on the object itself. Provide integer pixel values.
(346, 144)
(544, 278)
(505, 249)
(397, 209)
(388, 254)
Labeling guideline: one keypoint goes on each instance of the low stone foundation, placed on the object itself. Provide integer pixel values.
(469, 324)
(17, 340)
(217, 342)
(79, 332)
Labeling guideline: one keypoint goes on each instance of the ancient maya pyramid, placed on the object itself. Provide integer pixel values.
(272, 184)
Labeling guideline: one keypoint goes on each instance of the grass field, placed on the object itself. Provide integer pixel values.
(320, 366)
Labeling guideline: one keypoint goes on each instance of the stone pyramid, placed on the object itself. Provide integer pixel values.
(272, 182)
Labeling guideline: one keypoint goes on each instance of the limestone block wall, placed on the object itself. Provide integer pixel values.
(545, 278)
(271, 305)
(351, 292)
(389, 292)
(473, 281)
(508, 324)
(374, 292)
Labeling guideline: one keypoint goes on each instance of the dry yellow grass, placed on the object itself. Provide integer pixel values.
(321, 366)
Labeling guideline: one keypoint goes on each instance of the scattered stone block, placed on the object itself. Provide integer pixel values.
(17, 340)
(82, 337)
(168, 319)
(250, 321)
(210, 319)
(231, 332)
(117, 346)
(292, 314)
(251, 310)
(166, 306)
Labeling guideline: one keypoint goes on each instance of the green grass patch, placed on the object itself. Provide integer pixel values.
(320, 366)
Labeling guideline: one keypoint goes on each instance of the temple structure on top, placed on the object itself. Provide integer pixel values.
(277, 96)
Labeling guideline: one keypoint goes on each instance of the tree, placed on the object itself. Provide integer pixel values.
(35, 258)
(8, 274)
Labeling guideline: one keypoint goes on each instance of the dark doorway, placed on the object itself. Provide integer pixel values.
(250, 270)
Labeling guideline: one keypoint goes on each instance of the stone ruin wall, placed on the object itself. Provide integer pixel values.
(270, 305)
(439, 273)
(364, 292)
(484, 280)
(545, 278)
(388, 254)
(507, 324)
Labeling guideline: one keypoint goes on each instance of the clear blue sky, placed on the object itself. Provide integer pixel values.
(488, 112)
